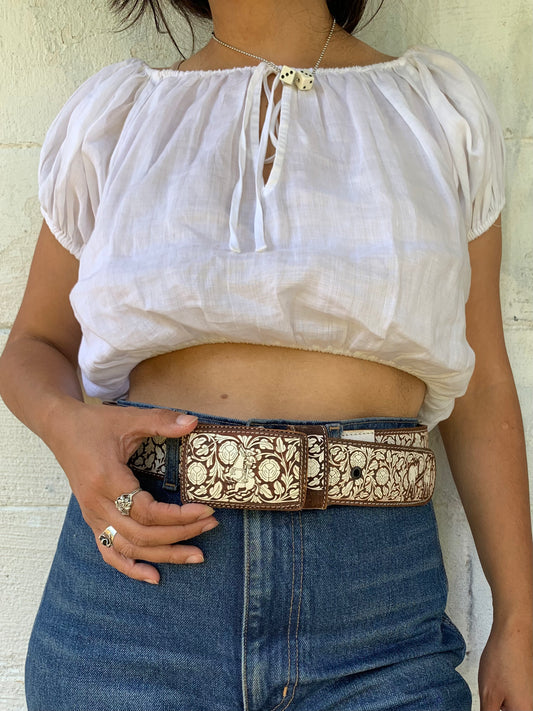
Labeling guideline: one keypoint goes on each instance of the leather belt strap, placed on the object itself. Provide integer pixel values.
(300, 467)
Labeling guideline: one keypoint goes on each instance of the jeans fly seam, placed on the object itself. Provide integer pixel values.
(298, 613)
(290, 618)
(245, 610)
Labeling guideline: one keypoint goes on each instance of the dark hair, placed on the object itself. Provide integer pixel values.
(348, 14)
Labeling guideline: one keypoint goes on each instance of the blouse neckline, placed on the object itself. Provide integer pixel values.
(356, 68)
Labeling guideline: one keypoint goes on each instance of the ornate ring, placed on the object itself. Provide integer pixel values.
(124, 502)
(107, 537)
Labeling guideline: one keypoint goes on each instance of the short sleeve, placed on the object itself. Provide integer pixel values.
(77, 149)
(472, 129)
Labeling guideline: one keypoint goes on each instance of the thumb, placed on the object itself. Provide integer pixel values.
(164, 423)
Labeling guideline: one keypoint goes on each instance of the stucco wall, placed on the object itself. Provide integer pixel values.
(47, 48)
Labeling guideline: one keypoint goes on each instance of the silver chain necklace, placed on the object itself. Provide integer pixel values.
(300, 79)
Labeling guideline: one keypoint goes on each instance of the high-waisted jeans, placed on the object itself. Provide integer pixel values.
(317, 610)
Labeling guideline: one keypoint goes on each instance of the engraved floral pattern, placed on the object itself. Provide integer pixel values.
(316, 457)
(150, 457)
(263, 470)
(415, 437)
(197, 473)
(388, 476)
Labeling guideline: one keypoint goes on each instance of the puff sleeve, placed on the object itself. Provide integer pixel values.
(472, 129)
(77, 149)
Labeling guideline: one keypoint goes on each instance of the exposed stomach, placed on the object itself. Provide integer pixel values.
(268, 382)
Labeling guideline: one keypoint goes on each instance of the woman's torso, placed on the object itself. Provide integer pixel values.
(245, 381)
(267, 382)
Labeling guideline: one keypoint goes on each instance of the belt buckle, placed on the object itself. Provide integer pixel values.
(244, 467)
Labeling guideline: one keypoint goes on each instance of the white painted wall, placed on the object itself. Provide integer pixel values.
(47, 48)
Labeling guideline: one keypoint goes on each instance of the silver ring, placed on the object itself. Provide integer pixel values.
(107, 537)
(124, 502)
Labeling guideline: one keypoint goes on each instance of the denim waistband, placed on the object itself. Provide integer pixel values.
(335, 428)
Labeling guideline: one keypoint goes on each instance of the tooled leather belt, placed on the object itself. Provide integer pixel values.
(301, 467)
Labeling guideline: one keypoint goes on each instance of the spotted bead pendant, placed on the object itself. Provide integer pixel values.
(301, 80)
(287, 75)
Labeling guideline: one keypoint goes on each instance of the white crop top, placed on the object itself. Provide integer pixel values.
(356, 244)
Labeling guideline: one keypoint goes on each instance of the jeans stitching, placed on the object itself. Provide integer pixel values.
(245, 611)
(299, 608)
(290, 619)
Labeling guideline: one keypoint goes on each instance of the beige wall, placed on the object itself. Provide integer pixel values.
(48, 47)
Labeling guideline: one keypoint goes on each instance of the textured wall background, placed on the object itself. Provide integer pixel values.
(47, 48)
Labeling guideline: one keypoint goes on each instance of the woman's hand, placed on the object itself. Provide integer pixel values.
(506, 667)
(93, 443)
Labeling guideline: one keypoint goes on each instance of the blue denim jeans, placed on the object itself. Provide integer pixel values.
(317, 610)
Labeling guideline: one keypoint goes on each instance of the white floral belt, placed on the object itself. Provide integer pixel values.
(301, 467)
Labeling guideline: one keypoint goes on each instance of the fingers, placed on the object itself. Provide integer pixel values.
(131, 568)
(149, 512)
(150, 521)
(138, 570)
(124, 553)
(151, 531)
(145, 510)
(177, 554)
(142, 537)
(155, 540)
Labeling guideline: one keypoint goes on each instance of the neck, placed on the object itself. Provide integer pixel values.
(291, 33)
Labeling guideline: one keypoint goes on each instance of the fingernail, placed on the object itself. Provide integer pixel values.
(208, 512)
(152, 582)
(186, 420)
(209, 526)
(195, 558)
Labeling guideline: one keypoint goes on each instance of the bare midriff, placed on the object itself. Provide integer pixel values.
(268, 382)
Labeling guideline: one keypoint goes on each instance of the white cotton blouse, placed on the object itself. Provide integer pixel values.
(356, 244)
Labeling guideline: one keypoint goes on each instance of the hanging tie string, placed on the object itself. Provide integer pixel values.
(258, 84)
(237, 191)
(273, 120)
(302, 80)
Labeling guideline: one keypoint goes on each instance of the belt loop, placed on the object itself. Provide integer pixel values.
(172, 464)
(335, 430)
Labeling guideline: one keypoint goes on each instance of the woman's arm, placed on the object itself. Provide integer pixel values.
(39, 384)
(484, 441)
